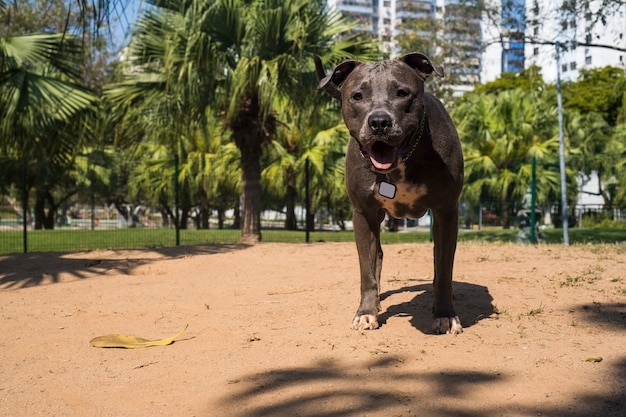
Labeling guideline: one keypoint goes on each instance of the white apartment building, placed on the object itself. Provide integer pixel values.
(543, 23)
(385, 19)
(546, 23)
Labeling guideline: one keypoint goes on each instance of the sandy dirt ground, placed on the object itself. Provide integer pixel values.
(268, 335)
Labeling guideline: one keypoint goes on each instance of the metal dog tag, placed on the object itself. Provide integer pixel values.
(387, 190)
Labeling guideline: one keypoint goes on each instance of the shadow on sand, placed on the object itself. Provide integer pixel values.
(32, 269)
(472, 303)
(381, 388)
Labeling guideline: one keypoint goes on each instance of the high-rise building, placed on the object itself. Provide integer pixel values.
(584, 37)
(386, 19)
(513, 25)
(510, 36)
(360, 11)
(550, 22)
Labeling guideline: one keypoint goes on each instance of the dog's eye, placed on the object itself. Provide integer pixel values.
(357, 96)
(403, 93)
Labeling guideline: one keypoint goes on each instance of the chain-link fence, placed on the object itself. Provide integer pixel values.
(155, 210)
(139, 205)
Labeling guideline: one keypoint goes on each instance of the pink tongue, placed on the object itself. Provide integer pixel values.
(382, 156)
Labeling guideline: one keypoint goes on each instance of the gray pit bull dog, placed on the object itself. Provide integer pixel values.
(404, 157)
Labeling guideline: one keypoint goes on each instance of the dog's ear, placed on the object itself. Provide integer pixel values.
(332, 81)
(341, 71)
(422, 64)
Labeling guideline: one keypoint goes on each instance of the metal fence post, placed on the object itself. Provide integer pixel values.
(564, 211)
(430, 227)
(307, 200)
(533, 197)
(93, 198)
(176, 202)
(24, 208)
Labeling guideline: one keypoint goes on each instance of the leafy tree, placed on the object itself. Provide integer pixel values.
(597, 90)
(234, 57)
(617, 184)
(529, 79)
(166, 86)
(597, 96)
(267, 48)
(299, 141)
(500, 134)
(44, 113)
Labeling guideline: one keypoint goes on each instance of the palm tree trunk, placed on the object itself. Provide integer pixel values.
(290, 219)
(236, 216)
(250, 134)
(39, 210)
(205, 212)
(220, 218)
(251, 180)
(43, 219)
(506, 215)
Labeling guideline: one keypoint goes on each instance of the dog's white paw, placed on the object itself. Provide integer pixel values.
(447, 325)
(365, 322)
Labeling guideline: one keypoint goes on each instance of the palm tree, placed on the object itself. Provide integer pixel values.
(167, 86)
(267, 46)
(500, 134)
(43, 114)
(235, 57)
(299, 141)
(596, 148)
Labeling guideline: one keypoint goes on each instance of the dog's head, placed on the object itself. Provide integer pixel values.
(382, 103)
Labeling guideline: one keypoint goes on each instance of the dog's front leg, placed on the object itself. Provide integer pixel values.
(367, 236)
(445, 231)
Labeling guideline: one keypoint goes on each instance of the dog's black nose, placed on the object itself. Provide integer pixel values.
(379, 122)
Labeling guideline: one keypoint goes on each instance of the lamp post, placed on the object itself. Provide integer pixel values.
(559, 99)
(504, 62)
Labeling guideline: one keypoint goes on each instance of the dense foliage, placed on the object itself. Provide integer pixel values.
(227, 89)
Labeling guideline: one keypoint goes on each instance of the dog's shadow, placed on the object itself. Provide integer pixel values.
(472, 303)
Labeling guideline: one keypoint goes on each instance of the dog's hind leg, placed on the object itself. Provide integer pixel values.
(445, 231)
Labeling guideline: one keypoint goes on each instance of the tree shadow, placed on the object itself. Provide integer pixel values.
(472, 303)
(381, 388)
(611, 314)
(588, 404)
(32, 269)
(326, 389)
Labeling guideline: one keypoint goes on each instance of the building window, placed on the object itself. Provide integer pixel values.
(564, 67)
(536, 51)
(572, 66)
(587, 60)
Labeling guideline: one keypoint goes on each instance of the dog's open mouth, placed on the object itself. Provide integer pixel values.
(382, 155)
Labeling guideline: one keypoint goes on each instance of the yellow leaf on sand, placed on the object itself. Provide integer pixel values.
(130, 342)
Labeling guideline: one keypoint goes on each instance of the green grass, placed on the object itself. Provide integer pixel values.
(64, 240)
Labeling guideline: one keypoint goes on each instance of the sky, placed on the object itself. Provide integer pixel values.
(123, 15)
